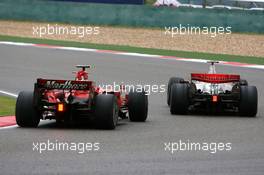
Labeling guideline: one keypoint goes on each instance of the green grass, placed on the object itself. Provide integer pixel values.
(7, 106)
(182, 54)
(150, 2)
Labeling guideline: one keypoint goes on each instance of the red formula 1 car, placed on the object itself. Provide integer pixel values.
(74, 100)
(213, 93)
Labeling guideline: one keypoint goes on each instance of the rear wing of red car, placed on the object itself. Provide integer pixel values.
(215, 78)
(63, 84)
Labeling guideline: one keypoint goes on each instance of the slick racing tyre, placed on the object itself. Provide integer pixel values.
(26, 114)
(137, 106)
(248, 105)
(179, 101)
(106, 111)
(172, 81)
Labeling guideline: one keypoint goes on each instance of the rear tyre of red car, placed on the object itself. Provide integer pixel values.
(248, 105)
(179, 101)
(137, 106)
(170, 83)
(106, 111)
(26, 114)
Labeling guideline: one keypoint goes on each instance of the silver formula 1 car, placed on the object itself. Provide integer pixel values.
(212, 93)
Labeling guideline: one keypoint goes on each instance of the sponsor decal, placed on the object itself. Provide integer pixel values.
(215, 77)
(65, 85)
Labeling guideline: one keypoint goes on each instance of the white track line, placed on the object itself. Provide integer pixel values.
(8, 93)
(9, 127)
(254, 66)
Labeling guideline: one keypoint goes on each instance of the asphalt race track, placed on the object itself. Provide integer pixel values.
(133, 148)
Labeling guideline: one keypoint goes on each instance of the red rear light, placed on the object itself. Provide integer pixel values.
(215, 98)
(61, 107)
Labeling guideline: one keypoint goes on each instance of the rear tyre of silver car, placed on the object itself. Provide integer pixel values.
(170, 83)
(248, 105)
(179, 102)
